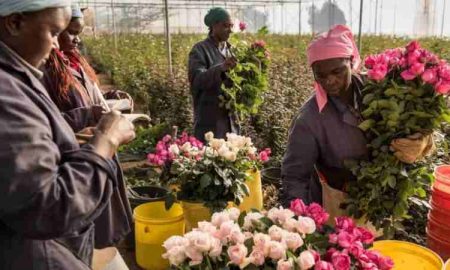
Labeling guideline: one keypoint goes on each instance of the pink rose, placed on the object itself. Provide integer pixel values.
(276, 250)
(385, 263)
(259, 44)
(237, 253)
(199, 240)
(444, 71)
(306, 260)
(216, 248)
(225, 230)
(356, 249)
(429, 75)
(275, 232)
(345, 239)
(257, 257)
(298, 207)
(322, 265)
(280, 215)
(378, 72)
(330, 253)
(220, 217)
(292, 240)
(175, 255)
(442, 87)
(344, 223)
(413, 46)
(407, 75)
(370, 61)
(333, 238)
(242, 26)
(366, 236)
(316, 212)
(193, 254)
(285, 265)
(306, 225)
(341, 261)
(417, 68)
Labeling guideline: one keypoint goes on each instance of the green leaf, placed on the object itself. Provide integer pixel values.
(392, 181)
(365, 125)
(169, 201)
(205, 181)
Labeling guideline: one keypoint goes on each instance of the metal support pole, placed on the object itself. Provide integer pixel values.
(360, 25)
(299, 17)
(313, 15)
(114, 24)
(376, 17)
(443, 19)
(167, 32)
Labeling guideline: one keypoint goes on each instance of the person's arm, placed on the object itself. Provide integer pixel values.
(83, 117)
(298, 163)
(46, 193)
(200, 75)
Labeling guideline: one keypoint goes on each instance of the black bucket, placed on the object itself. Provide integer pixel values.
(271, 176)
(141, 195)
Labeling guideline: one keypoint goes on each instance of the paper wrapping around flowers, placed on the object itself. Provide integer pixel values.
(331, 201)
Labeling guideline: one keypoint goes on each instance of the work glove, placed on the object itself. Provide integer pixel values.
(413, 148)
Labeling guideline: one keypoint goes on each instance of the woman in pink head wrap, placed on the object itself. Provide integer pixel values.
(325, 133)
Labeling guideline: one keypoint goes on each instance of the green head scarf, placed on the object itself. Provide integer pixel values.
(216, 15)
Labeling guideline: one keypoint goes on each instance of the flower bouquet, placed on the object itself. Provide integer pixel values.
(249, 78)
(213, 174)
(405, 95)
(282, 239)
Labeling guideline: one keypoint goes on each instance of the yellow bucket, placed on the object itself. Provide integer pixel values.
(447, 265)
(255, 199)
(153, 225)
(193, 213)
(408, 256)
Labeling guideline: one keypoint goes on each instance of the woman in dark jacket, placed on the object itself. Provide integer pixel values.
(208, 62)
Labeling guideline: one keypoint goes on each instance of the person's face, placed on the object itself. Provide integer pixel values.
(69, 39)
(222, 30)
(334, 75)
(33, 35)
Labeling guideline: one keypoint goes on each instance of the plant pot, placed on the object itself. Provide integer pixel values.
(255, 199)
(271, 176)
(438, 245)
(440, 200)
(147, 194)
(194, 212)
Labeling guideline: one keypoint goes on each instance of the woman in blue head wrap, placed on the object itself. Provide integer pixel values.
(209, 60)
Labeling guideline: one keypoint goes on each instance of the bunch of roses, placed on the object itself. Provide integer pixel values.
(168, 149)
(413, 62)
(276, 239)
(314, 211)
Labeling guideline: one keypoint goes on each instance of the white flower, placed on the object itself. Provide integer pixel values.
(252, 150)
(216, 144)
(220, 217)
(175, 255)
(234, 213)
(174, 241)
(231, 156)
(275, 233)
(223, 151)
(209, 136)
(200, 240)
(306, 260)
(292, 240)
(174, 149)
(186, 147)
(306, 225)
(250, 218)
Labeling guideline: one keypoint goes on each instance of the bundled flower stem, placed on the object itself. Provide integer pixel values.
(405, 95)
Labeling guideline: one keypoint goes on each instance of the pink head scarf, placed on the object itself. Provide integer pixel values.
(337, 42)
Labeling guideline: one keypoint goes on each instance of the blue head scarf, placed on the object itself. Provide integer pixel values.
(8, 7)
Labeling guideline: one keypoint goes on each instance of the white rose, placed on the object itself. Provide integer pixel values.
(223, 151)
(292, 240)
(174, 149)
(175, 255)
(174, 241)
(234, 213)
(275, 233)
(231, 156)
(209, 136)
(220, 217)
(252, 150)
(306, 260)
(186, 147)
(250, 218)
(216, 144)
(306, 225)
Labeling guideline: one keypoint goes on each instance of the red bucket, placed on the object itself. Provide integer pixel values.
(442, 176)
(438, 229)
(440, 216)
(440, 200)
(438, 245)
